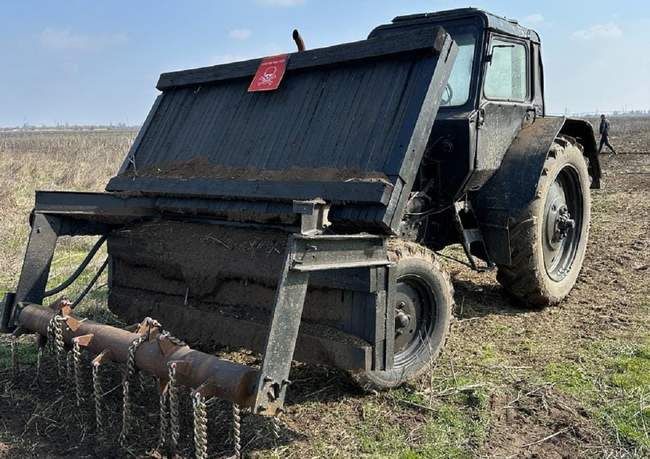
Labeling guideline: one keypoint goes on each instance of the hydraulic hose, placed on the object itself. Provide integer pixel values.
(90, 284)
(84, 264)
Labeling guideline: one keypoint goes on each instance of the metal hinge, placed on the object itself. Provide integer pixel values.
(480, 118)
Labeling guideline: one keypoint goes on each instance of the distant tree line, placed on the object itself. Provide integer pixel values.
(630, 113)
(71, 127)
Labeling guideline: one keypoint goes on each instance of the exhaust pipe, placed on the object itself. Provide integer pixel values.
(300, 43)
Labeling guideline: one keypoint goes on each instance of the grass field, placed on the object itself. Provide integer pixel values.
(568, 381)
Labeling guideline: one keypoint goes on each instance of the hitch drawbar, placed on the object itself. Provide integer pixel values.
(198, 370)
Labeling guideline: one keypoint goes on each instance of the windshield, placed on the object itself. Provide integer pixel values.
(457, 91)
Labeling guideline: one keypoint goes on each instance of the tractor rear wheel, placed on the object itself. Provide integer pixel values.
(424, 301)
(549, 241)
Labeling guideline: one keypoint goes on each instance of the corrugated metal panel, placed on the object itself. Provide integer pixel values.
(352, 122)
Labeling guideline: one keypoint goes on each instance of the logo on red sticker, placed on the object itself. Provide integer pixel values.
(269, 74)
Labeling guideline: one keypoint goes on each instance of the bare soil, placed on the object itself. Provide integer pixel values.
(511, 383)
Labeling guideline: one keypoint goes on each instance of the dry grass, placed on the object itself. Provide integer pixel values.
(570, 381)
(48, 161)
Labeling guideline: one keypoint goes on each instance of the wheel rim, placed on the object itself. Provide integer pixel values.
(563, 223)
(414, 319)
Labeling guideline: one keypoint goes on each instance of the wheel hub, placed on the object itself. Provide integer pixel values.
(402, 321)
(563, 223)
(407, 309)
(561, 227)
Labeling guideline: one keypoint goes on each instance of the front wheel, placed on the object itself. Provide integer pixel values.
(549, 240)
(424, 300)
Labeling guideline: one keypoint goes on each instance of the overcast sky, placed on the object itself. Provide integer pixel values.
(97, 62)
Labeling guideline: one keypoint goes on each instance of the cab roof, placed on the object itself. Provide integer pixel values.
(491, 21)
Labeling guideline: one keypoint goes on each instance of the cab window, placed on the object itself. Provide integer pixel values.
(507, 72)
(457, 91)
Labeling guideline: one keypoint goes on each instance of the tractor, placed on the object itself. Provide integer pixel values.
(294, 206)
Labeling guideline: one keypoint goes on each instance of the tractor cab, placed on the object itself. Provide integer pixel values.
(491, 136)
(496, 85)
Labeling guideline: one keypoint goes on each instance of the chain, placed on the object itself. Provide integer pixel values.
(76, 356)
(39, 362)
(69, 370)
(59, 343)
(51, 326)
(275, 427)
(14, 356)
(126, 410)
(236, 429)
(172, 339)
(164, 419)
(142, 381)
(200, 426)
(126, 395)
(174, 419)
(97, 389)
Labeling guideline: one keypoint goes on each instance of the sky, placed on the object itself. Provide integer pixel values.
(97, 62)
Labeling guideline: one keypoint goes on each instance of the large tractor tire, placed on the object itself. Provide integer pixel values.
(424, 302)
(549, 240)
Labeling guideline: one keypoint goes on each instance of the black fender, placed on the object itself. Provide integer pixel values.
(583, 132)
(508, 192)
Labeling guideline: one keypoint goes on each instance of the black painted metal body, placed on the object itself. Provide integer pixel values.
(357, 131)
(214, 156)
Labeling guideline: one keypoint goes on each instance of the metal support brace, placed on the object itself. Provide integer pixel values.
(281, 339)
(6, 311)
(313, 215)
(306, 252)
(470, 236)
(389, 341)
(37, 262)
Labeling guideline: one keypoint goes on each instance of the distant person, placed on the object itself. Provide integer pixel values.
(604, 134)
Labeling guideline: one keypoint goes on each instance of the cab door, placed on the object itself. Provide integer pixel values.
(506, 102)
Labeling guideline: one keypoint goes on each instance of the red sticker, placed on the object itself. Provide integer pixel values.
(269, 74)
